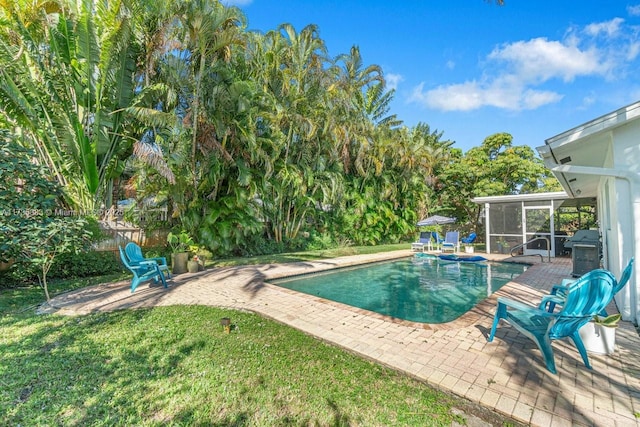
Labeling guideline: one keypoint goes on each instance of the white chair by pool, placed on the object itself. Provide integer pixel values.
(424, 240)
(451, 242)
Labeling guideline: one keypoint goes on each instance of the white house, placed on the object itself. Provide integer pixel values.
(601, 159)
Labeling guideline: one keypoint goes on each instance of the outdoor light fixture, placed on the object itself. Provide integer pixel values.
(226, 324)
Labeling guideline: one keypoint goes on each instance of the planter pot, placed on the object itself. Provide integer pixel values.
(193, 266)
(179, 262)
(598, 339)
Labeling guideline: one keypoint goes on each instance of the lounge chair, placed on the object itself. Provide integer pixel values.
(436, 239)
(144, 271)
(585, 297)
(424, 240)
(469, 239)
(559, 292)
(135, 257)
(451, 242)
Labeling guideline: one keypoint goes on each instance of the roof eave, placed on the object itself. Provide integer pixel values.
(557, 195)
(601, 124)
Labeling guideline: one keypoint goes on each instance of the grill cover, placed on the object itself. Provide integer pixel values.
(584, 237)
(585, 251)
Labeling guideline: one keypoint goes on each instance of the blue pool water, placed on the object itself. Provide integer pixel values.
(418, 289)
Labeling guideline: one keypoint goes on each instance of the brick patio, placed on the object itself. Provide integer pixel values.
(507, 375)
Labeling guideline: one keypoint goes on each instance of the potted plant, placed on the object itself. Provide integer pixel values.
(194, 264)
(180, 244)
(599, 335)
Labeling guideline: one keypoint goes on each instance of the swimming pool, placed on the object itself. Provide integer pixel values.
(421, 290)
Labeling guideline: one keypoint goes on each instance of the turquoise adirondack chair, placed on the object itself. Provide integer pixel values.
(142, 272)
(135, 257)
(559, 292)
(585, 298)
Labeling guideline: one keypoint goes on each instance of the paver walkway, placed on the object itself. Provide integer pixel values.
(507, 375)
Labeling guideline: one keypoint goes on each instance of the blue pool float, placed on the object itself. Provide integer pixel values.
(452, 257)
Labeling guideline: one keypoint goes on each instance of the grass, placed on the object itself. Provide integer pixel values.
(25, 298)
(307, 255)
(177, 366)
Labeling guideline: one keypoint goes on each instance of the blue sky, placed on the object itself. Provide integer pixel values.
(470, 68)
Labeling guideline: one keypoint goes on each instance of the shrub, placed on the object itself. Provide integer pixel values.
(157, 251)
(87, 264)
(257, 244)
(320, 241)
(67, 265)
(93, 227)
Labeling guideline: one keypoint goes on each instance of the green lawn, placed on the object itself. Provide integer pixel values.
(308, 255)
(177, 366)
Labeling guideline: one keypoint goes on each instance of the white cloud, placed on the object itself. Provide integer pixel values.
(609, 28)
(465, 96)
(393, 80)
(473, 95)
(632, 52)
(588, 101)
(531, 99)
(515, 74)
(633, 10)
(539, 60)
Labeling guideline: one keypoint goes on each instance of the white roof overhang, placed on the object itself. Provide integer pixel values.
(559, 195)
(580, 156)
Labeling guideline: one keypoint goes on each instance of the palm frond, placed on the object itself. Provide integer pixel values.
(151, 154)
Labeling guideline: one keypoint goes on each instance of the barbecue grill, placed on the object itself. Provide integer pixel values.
(585, 251)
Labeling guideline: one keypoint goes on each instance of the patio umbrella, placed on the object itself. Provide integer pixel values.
(436, 219)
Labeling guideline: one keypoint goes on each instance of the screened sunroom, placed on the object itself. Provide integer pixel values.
(534, 224)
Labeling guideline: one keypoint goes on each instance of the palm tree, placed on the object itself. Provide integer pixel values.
(289, 68)
(209, 30)
(353, 128)
(376, 105)
(67, 89)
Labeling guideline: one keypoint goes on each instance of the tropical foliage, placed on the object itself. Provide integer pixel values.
(69, 75)
(495, 168)
(243, 136)
(35, 229)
